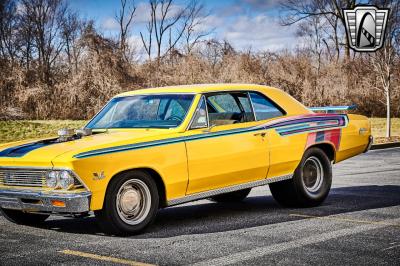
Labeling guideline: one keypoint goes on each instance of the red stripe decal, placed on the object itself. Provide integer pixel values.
(332, 136)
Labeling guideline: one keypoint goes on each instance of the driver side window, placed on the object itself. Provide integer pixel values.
(229, 108)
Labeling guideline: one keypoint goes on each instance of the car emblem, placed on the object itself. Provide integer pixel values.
(98, 176)
(362, 131)
(365, 27)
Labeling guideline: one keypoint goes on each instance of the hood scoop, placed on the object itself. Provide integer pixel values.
(66, 134)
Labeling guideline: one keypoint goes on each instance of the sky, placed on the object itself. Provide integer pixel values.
(246, 24)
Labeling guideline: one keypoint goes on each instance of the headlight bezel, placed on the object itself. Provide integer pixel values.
(61, 179)
(52, 179)
(66, 180)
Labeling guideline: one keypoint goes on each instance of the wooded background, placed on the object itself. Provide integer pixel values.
(54, 64)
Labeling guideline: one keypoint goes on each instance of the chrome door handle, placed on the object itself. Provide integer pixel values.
(262, 134)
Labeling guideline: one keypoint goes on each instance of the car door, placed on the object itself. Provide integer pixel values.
(223, 148)
(285, 151)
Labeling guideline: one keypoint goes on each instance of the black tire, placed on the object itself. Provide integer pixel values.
(24, 218)
(235, 196)
(295, 192)
(112, 219)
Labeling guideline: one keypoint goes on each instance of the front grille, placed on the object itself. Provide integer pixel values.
(23, 177)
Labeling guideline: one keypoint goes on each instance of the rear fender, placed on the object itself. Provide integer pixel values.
(355, 137)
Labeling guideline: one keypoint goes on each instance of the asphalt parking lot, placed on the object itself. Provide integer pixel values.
(359, 224)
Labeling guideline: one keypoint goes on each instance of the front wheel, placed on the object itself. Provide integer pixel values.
(20, 217)
(131, 204)
(310, 184)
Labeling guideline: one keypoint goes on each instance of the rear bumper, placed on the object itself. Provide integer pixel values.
(370, 142)
(36, 201)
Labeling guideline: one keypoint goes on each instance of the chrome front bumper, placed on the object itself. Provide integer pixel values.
(36, 201)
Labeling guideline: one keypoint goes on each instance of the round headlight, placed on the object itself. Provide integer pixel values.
(66, 181)
(51, 179)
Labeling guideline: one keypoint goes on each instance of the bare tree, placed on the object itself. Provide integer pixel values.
(125, 17)
(384, 59)
(148, 43)
(313, 33)
(71, 31)
(9, 41)
(25, 31)
(213, 53)
(196, 17)
(165, 17)
(46, 18)
(330, 9)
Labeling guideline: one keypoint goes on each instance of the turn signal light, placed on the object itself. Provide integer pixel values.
(58, 203)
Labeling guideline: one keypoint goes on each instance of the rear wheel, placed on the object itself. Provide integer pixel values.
(232, 196)
(20, 217)
(310, 184)
(131, 204)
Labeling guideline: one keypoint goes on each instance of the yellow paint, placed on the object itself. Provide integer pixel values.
(352, 142)
(103, 258)
(285, 152)
(189, 167)
(239, 158)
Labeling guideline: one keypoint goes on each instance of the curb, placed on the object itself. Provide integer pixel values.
(385, 145)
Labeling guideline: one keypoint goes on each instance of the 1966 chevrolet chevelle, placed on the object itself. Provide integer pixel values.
(154, 148)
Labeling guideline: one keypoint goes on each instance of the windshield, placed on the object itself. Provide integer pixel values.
(143, 111)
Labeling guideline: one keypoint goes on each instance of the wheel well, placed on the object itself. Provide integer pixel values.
(327, 148)
(156, 177)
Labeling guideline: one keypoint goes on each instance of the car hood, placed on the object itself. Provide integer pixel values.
(42, 152)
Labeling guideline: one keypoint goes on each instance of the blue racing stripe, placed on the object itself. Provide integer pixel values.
(21, 150)
(154, 143)
(281, 128)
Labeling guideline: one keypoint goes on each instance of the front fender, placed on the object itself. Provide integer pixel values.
(96, 172)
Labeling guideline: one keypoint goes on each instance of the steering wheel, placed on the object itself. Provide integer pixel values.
(175, 118)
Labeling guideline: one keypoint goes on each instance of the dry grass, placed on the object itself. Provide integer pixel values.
(379, 127)
(29, 129)
(20, 130)
(379, 130)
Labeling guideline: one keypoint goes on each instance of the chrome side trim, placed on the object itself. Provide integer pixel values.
(37, 201)
(207, 194)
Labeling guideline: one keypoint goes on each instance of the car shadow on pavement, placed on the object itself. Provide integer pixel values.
(209, 217)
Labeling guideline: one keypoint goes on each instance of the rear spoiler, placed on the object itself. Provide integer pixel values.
(333, 109)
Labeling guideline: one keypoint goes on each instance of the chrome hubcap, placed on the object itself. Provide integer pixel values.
(313, 174)
(133, 201)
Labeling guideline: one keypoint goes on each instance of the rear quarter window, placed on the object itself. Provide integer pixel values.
(264, 108)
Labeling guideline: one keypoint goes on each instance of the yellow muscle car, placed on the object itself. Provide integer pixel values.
(154, 148)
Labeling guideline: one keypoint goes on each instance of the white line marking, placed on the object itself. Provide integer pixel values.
(392, 247)
(241, 257)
